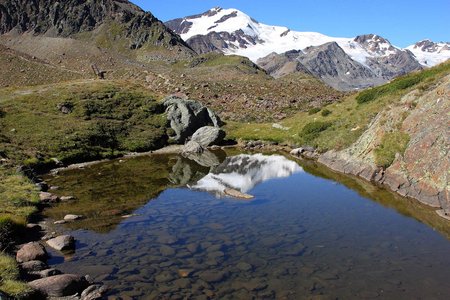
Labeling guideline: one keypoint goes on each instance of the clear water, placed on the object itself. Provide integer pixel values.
(303, 236)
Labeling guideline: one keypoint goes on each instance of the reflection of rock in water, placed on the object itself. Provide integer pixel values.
(193, 167)
(244, 172)
(206, 158)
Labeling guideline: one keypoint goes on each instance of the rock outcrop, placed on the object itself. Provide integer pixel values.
(421, 172)
(332, 65)
(187, 116)
(54, 18)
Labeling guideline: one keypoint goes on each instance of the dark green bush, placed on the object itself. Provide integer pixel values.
(313, 110)
(312, 130)
(326, 112)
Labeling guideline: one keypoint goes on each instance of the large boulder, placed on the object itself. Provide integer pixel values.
(62, 242)
(208, 136)
(31, 251)
(60, 285)
(186, 116)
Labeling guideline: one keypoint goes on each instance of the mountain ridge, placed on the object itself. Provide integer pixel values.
(127, 23)
(231, 31)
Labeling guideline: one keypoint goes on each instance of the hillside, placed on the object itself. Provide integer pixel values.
(394, 134)
(116, 25)
(78, 121)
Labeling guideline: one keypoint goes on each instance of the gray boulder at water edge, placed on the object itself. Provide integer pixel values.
(186, 116)
(208, 136)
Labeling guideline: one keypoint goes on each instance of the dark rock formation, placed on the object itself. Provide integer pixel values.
(327, 62)
(67, 18)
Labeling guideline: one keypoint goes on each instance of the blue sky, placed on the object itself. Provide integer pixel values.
(400, 21)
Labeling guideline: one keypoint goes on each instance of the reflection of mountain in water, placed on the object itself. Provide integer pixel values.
(243, 172)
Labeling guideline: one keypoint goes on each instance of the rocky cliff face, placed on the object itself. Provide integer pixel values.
(330, 63)
(422, 171)
(54, 18)
(327, 62)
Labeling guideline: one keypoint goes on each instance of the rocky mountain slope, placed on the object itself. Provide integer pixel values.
(420, 171)
(116, 24)
(327, 62)
(230, 31)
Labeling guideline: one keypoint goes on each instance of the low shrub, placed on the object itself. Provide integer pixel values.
(312, 130)
(326, 112)
(313, 111)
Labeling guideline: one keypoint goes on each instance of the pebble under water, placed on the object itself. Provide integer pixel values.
(303, 236)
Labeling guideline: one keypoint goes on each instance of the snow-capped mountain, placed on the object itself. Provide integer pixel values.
(429, 53)
(231, 31)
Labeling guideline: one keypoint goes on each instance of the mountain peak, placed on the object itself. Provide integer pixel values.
(375, 45)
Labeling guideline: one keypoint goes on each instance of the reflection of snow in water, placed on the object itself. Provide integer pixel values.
(243, 172)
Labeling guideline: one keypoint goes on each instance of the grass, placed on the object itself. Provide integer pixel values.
(349, 118)
(9, 275)
(391, 144)
(18, 197)
(401, 83)
(107, 118)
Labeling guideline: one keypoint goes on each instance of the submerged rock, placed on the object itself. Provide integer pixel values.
(62, 242)
(60, 285)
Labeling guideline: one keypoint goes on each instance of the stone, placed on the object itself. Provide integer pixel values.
(48, 197)
(193, 247)
(60, 285)
(243, 266)
(166, 250)
(48, 272)
(59, 222)
(186, 116)
(208, 135)
(212, 276)
(167, 239)
(33, 265)
(254, 285)
(71, 217)
(185, 272)
(34, 226)
(164, 277)
(62, 243)
(182, 283)
(67, 198)
(31, 251)
(94, 292)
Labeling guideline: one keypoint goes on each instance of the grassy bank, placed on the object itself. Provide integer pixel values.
(18, 199)
(338, 125)
(79, 121)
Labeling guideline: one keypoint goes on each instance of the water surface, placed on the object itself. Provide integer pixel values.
(304, 235)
